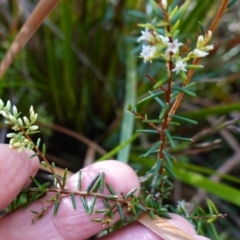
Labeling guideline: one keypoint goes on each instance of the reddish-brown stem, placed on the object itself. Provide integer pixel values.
(196, 61)
(219, 15)
(143, 118)
(154, 82)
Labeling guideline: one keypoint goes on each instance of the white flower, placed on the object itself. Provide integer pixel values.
(148, 52)
(173, 46)
(146, 36)
(181, 204)
(198, 53)
(165, 40)
(179, 66)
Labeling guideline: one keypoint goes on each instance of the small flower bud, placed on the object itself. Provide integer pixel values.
(25, 119)
(20, 122)
(33, 128)
(15, 111)
(11, 135)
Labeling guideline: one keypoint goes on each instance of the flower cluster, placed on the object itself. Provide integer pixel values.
(160, 46)
(23, 125)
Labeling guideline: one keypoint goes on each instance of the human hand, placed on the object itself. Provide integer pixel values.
(70, 224)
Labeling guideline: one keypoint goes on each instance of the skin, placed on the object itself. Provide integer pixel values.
(15, 170)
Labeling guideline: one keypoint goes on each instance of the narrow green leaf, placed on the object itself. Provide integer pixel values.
(151, 214)
(141, 207)
(38, 184)
(102, 181)
(147, 131)
(161, 82)
(92, 205)
(112, 197)
(152, 149)
(120, 210)
(79, 180)
(158, 166)
(176, 25)
(85, 204)
(169, 171)
(56, 207)
(64, 178)
(32, 156)
(73, 200)
(182, 139)
(34, 212)
(175, 34)
(38, 142)
(168, 158)
(91, 185)
(180, 89)
(169, 137)
(194, 66)
(110, 189)
(106, 204)
(44, 149)
(231, 2)
(153, 121)
(153, 95)
(183, 119)
(157, 9)
(212, 206)
(130, 193)
(163, 111)
(202, 28)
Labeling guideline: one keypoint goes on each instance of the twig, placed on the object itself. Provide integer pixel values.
(42, 10)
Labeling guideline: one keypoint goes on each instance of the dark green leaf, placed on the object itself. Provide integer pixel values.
(85, 204)
(183, 119)
(158, 166)
(169, 137)
(130, 193)
(91, 185)
(79, 180)
(168, 158)
(120, 210)
(92, 205)
(64, 178)
(152, 149)
(102, 180)
(56, 206)
(110, 189)
(202, 28)
(73, 200)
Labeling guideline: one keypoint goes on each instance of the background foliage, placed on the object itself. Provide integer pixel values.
(82, 67)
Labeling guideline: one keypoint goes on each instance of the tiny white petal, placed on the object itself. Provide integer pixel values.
(165, 40)
(146, 36)
(179, 66)
(174, 46)
(148, 52)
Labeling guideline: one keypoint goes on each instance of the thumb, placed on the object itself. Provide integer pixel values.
(69, 223)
